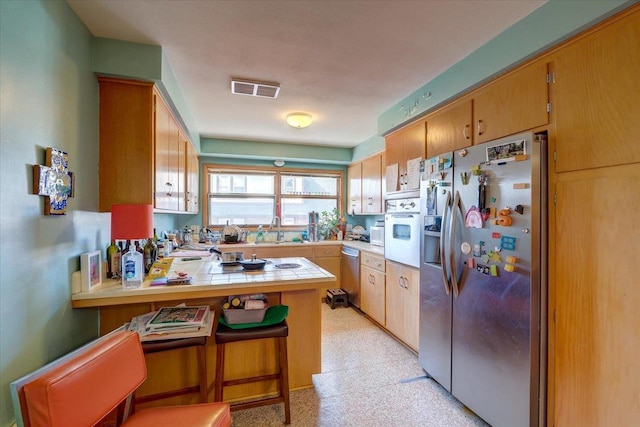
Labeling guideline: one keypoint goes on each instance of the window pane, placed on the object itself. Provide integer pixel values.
(295, 211)
(230, 183)
(241, 210)
(309, 185)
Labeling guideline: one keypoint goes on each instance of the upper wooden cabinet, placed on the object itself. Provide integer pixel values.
(126, 143)
(596, 94)
(450, 129)
(354, 177)
(193, 169)
(513, 103)
(365, 186)
(402, 146)
(372, 185)
(143, 150)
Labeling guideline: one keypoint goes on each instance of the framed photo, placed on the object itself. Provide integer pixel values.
(91, 269)
(506, 152)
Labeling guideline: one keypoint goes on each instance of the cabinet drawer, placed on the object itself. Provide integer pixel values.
(326, 251)
(373, 261)
(284, 252)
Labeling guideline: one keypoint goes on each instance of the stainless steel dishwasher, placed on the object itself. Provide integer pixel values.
(350, 274)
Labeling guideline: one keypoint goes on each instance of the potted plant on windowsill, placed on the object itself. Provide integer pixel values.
(328, 224)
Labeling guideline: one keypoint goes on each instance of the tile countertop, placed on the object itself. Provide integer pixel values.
(211, 279)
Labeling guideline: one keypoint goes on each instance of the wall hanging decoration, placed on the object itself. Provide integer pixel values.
(54, 181)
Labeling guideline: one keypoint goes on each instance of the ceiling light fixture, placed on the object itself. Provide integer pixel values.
(278, 163)
(299, 120)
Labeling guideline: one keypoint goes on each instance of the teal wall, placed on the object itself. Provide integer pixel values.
(137, 61)
(49, 99)
(226, 148)
(546, 26)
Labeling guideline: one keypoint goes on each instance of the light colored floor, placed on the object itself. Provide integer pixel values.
(368, 379)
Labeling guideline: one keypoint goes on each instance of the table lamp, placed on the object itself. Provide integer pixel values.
(131, 222)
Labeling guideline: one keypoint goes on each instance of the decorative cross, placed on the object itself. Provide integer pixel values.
(54, 181)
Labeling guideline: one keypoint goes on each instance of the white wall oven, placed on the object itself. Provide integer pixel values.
(402, 231)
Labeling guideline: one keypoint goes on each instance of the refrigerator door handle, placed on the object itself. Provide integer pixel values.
(443, 233)
(452, 252)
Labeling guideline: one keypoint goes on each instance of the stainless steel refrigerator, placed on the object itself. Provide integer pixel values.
(483, 275)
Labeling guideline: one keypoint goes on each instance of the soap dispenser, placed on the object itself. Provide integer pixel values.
(260, 235)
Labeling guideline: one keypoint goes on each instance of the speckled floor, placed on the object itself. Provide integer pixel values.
(368, 380)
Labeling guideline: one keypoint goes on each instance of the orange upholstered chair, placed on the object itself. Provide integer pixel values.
(81, 388)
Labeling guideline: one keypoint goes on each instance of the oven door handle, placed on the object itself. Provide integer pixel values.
(406, 215)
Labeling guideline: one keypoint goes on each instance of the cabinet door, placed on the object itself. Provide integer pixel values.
(450, 129)
(411, 304)
(372, 184)
(181, 174)
(597, 338)
(394, 300)
(192, 179)
(354, 175)
(394, 154)
(126, 143)
(372, 293)
(512, 104)
(163, 146)
(414, 147)
(596, 93)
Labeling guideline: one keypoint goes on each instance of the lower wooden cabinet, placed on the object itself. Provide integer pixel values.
(403, 302)
(328, 257)
(372, 286)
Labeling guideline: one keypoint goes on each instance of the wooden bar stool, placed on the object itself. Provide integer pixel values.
(149, 347)
(225, 335)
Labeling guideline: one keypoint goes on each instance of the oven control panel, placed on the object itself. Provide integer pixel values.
(403, 205)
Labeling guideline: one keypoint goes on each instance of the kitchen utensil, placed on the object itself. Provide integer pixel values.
(228, 257)
(231, 234)
(253, 263)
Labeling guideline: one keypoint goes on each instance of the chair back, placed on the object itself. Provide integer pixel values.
(81, 388)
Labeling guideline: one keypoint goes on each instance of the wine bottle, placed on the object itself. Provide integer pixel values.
(150, 255)
(113, 261)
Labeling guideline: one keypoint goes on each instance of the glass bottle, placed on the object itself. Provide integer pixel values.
(150, 255)
(113, 261)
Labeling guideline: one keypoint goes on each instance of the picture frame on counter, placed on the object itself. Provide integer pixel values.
(91, 270)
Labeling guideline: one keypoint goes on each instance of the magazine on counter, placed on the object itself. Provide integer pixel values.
(178, 317)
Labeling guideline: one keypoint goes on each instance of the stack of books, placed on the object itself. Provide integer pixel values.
(173, 322)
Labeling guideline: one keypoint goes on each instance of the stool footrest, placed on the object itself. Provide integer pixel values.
(250, 380)
(256, 403)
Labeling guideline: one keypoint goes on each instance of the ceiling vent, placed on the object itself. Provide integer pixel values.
(254, 88)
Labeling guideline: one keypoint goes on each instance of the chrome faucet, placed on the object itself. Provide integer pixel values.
(276, 219)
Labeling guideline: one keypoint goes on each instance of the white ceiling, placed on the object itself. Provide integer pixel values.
(344, 62)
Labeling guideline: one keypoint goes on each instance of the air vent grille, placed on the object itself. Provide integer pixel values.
(255, 88)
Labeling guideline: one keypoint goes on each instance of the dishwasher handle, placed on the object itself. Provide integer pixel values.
(352, 253)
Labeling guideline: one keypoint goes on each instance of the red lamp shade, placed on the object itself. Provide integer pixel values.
(131, 222)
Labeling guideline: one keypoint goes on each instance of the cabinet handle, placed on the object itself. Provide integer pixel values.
(464, 131)
(168, 187)
(479, 130)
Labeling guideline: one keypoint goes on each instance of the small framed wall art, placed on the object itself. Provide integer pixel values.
(91, 270)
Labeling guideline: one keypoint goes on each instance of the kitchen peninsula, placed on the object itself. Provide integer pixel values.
(297, 287)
